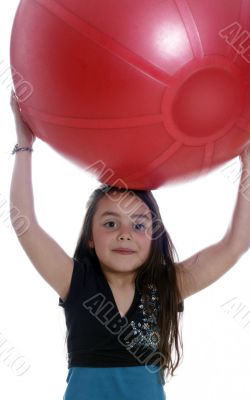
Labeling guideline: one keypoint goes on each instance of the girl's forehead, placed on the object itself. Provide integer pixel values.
(122, 203)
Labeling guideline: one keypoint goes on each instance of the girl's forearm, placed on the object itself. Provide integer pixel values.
(238, 232)
(21, 191)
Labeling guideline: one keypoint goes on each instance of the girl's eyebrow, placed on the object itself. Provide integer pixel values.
(112, 213)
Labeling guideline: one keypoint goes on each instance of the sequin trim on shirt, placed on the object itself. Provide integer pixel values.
(147, 332)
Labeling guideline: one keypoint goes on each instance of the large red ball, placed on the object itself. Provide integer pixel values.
(138, 92)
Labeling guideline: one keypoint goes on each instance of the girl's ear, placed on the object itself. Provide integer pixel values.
(91, 244)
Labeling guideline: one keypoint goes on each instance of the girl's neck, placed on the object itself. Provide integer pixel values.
(118, 279)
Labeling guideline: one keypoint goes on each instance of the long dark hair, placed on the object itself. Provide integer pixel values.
(158, 270)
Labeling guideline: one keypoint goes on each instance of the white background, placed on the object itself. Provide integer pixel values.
(216, 338)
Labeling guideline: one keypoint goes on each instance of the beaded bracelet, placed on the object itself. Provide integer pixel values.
(17, 148)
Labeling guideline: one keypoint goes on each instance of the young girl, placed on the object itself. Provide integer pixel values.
(122, 292)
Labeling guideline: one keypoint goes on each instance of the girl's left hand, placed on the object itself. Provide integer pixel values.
(245, 156)
(25, 136)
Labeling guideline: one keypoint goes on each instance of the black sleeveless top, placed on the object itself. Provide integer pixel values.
(97, 334)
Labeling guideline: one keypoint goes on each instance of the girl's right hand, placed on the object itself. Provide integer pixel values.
(25, 136)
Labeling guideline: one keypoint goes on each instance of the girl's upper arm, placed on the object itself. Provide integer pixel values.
(49, 259)
(205, 267)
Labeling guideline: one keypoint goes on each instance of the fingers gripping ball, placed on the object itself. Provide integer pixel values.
(138, 93)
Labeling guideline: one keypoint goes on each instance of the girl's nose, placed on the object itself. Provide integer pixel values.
(124, 236)
(124, 232)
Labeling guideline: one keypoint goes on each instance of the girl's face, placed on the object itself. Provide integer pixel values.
(121, 220)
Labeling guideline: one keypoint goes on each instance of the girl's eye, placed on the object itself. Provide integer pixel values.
(136, 225)
(140, 225)
(110, 222)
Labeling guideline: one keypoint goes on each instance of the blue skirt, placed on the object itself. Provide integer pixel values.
(112, 383)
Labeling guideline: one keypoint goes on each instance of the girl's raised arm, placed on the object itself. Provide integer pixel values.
(50, 260)
(209, 264)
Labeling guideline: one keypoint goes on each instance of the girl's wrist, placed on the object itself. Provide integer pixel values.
(25, 148)
(24, 143)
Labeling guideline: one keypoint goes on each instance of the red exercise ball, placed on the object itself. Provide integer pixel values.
(139, 93)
